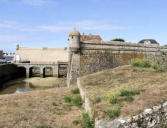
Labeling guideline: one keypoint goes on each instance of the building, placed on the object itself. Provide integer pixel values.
(1, 54)
(90, 37)
(43, 55)
(149, 42)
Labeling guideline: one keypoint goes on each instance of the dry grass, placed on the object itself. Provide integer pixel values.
(152, 86)
(36, 108)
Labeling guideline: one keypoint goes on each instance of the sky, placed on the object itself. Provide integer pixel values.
(47, 23)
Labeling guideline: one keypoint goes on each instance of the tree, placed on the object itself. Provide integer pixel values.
(119, 39)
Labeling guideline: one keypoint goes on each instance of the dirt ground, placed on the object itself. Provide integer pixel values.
(153, 86)
(33, 109)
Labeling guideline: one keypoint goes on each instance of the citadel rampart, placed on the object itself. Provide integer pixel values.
(93, 56)
(9, 72)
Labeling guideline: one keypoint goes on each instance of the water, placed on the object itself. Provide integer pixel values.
(24, 85)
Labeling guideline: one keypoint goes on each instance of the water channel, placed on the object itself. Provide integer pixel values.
(23, 85)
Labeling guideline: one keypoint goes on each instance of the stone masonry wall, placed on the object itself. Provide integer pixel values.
(97, 57)
(94, 57)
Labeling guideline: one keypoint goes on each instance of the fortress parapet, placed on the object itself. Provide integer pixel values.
(90, 56)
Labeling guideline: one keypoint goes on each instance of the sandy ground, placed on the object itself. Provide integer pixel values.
(36, 108)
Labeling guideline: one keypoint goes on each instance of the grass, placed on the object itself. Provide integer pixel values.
(129, 93)
(113, 98)
(54, 104)
(129, 98)
(73, 100)
(135, 70)
(75, 91)
(67, 99)
(147, 64)
(76, 122)
(142, 63)
(77, 101)
(97, 100)
(86, 121)
(114, 112)
(132, 91)
(41, 109)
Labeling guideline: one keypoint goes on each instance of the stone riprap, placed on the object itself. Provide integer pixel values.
(154, 117)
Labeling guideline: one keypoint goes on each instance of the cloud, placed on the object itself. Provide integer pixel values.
(82, 25)
(35, 2)
(7, 38)
(16, 26)
(61, 26)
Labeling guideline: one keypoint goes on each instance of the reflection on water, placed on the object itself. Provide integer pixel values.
(25, 85)
(17, 86)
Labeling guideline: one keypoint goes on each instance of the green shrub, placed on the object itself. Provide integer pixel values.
(146, 64)
(75, 91)
(114, 112)
(76, 122)
(129, 98)
(137, 63)
(129, 93)
(43, 126)
(67, 99)
(77, 101)
(142, 63)
(86, 121)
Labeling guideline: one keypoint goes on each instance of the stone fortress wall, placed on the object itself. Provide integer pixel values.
(88, 57)
(41, 55)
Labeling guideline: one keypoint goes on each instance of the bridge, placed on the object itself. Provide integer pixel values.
(45, 69)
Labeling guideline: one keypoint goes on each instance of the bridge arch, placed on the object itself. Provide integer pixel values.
(34, 71)
(48, 71)
(22, 71)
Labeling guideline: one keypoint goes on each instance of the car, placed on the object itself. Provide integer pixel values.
(2, 61)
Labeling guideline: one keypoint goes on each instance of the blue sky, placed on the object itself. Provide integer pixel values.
(46, 23)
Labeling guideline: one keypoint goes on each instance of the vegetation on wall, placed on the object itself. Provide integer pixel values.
(148, 64)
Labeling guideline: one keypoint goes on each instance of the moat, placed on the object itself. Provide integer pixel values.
(23, 85)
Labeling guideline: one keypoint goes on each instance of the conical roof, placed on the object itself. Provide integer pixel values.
(74, 33)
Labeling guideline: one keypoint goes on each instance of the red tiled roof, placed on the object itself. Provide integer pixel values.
(90, 37)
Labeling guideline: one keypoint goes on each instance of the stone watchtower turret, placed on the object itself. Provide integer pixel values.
(74, 57)
(74, 41)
